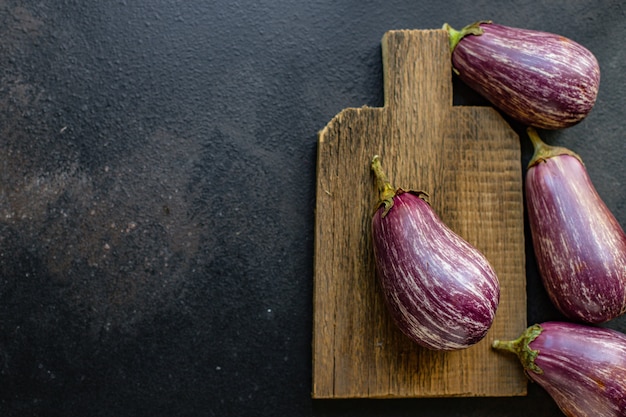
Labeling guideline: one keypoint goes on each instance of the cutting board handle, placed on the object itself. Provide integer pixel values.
(410, 74)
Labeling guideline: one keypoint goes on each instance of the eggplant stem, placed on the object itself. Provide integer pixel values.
(543, 151)
(386, 192)
(521, 348)
(457, 35)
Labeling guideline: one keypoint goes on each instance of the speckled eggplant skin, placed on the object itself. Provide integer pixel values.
(582, 367)
(539, 79)
(579, 245)
(441, 291)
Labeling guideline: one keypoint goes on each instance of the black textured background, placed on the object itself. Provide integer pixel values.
(157, 177)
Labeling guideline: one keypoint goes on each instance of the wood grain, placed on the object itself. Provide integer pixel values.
(468, 160)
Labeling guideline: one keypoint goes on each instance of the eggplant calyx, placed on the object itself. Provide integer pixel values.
(386, 191)
(457, 35)
(543, 151)
(521, 348)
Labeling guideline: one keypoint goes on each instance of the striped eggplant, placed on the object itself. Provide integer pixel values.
(582, 367)
(540, 79)
(440, 290)
(579, 245)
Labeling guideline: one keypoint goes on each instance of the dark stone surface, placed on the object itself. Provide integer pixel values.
(157, 177)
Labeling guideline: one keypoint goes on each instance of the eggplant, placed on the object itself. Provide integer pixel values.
(541, 79)
(579, 245)
(441, 291)
(582, 367)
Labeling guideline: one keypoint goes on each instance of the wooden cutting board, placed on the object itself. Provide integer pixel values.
(468, 160)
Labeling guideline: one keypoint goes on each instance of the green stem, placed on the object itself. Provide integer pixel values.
(386, 192)
(457, 35)
(521, 348)
(543, 151)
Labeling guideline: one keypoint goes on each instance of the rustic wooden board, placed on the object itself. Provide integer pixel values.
(468, 160)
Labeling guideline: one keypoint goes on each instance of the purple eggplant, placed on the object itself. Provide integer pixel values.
(582, 367)
(579, 245)
(540, 79)
(441, 291)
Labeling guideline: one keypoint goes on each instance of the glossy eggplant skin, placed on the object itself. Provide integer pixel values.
(538, 78)
(582, 367)
(440, 290)
(579, 245)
